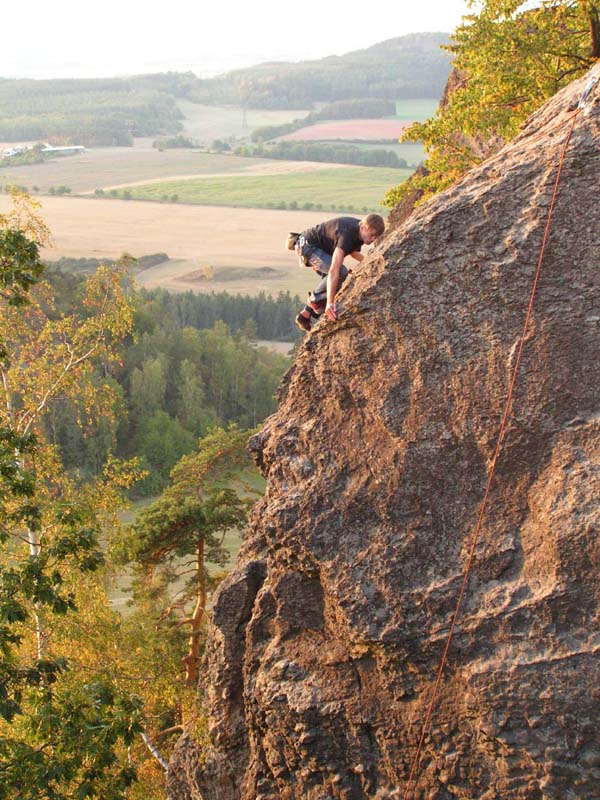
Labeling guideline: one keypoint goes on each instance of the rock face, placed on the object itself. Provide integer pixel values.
(327, 637)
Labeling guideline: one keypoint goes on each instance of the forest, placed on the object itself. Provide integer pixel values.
(188, 364)
(92, 112)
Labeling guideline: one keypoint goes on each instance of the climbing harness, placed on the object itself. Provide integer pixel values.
(413, 775)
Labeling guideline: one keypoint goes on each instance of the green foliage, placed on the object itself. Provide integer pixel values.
(159, 442)
(69, 740)
(53, 190)
(221, 146)
(366, 108)
(174, 143)
(183, 372)
(60, 268)
(60, 735)
(180, 381)
(272, 315)
(171, 540)
(510, 58)
(408, 66)
(20, 266)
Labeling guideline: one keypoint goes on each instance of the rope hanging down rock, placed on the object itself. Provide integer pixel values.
(413, 776)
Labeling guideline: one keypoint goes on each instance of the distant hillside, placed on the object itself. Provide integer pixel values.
(110, 111)
(404, 67)
(102, 111)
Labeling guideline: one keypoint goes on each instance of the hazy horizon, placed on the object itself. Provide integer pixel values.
(126, 39)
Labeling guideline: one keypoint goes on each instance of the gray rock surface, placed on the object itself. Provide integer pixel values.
(326, 638)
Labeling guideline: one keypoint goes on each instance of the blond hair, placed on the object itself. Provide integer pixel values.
(374, 222)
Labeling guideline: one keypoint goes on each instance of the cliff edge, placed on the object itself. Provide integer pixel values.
(326, 639)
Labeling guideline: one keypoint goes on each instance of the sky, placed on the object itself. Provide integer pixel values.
(68, 39)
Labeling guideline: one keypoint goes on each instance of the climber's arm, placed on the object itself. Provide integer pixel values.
(333, 281)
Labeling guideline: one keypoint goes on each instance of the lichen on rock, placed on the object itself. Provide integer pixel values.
(326, 638)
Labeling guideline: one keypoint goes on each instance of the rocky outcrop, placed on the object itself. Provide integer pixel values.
(402, 211)
(326, 638)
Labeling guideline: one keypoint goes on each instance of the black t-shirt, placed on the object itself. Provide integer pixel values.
(339, 232)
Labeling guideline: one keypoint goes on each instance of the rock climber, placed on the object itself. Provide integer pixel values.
(323, 249)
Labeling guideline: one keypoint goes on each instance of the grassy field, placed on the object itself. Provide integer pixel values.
(103, 167)
(207, 123)
(360, 188)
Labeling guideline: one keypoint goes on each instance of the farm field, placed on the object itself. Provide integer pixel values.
(193, 236)
(354, 188)
(103, 167)
(407, 112)
(118, 167)
(207, 123)
(348, 129)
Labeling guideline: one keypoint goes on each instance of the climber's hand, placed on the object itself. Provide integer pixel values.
(331, 311)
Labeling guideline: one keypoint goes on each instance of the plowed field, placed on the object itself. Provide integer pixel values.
(363, 129)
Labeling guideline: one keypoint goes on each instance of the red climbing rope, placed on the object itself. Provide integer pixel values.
(413, 776)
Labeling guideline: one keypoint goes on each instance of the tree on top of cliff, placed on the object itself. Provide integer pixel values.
(509, 59)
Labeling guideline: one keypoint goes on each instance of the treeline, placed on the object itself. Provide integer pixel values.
(261, 317)
(320, 151)
(264, 316)
(178, 383)
(92, 112)
(356, 109)
(405, 67)
(64, 265)
(341, 109)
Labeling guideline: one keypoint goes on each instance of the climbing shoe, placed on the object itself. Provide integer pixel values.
(318, 306)
(303, 322)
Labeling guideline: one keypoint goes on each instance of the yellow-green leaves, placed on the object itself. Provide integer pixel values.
(509, 59)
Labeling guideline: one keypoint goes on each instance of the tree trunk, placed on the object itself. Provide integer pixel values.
(595, 32)
(154, 750)
(193, 655)
(33, 539)
(35, 547)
